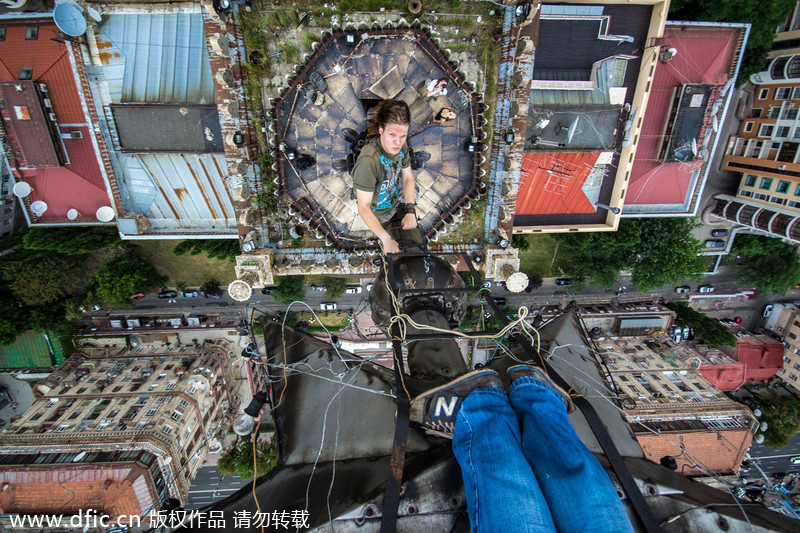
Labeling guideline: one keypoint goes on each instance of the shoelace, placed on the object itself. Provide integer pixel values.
(442, 426)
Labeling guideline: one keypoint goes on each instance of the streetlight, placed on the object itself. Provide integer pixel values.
(615, 210)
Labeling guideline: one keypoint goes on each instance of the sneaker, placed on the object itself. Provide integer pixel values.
(518, 371)
(435, 411)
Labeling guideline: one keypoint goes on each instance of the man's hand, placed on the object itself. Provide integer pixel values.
(390, 245)
(410, 221)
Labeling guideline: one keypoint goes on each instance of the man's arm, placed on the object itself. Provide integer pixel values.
(364, 203)
(409, 193)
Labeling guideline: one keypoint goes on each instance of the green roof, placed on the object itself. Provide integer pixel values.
(31, 350)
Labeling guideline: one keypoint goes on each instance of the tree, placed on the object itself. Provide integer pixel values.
(782, 415)
(239, 458)
(667, 253)
(211, 288)
(71, 240)
(334, 287)
(521, 242)
(656, 251)
(126, 275)
(764, 15)
(213, 248)
(13, 317)
(772, 265)
(48, 281)
(706, 328)
(289, 289)
(50, 319)
(535, 281)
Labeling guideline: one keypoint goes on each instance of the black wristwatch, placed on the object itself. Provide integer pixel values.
(411, 208)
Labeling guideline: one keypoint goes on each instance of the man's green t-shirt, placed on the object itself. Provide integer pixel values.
(377, 172)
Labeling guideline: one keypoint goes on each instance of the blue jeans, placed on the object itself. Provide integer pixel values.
(524, 467)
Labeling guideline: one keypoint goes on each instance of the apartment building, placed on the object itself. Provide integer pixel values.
(672, 409)
(785, 326)
(120, 433)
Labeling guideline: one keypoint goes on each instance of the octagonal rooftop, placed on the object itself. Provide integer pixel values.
(379, 64)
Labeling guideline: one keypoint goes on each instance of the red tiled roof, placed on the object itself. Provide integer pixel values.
(704, 448)
(78, 184)
(725, 377)
(705, 54)
(551, 183)
(762, 359)
(57, 489)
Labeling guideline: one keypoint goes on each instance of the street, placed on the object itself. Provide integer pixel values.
(209, 486)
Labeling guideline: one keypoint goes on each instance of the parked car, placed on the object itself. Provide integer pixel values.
(499, 300)
(683, 289)
(168, 294)
(352, 290)
(738, 320)
(563, 281)
(368, 287)
(705, 288)
(767, 310)
(686, 333)
(719, 233)
(328, 306)
(715, 243)
(137, 296)
(266, 290)
(795, 460)
(190, 294)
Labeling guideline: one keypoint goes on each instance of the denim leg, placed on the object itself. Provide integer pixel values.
(502, 493)
(577, 489)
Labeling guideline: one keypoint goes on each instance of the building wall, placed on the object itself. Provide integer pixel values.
(174, 405)
(788, 328)
(787, 36)
(668, 402)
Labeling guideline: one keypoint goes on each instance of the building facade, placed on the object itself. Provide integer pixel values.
(123, 433)
(786, 328)
(671, 408)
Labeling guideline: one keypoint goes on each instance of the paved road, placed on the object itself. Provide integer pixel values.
(772, 460)
(209, 486)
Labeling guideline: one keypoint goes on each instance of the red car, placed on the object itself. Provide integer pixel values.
(137, 296)
(738, 320)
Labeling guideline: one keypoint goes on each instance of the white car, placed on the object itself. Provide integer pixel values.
(795, 460)
(353, 290)
(369, 287)
(327, 306)
(705, 288)
(768, 310)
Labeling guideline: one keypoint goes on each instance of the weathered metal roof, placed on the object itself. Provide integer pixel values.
(155, 58)
(179, 191)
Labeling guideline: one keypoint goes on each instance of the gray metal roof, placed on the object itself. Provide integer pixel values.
(155, 58)
(168, 128)
(179, 192)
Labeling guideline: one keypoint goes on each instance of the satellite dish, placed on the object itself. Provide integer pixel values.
(706, 140)
(95, 14)
(704, 154)
(694, 146)
(72, 214)
(573, 128)
(726, 87)
(628, 125)
(626, 141)
(715, 107)
(38, 207)
(21, 189)
(69, 19)
(105, 214)
(714, 123)
(633, 115)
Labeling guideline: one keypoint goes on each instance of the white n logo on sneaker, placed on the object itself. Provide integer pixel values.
(441, 404)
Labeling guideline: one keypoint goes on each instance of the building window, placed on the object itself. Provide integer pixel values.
(763, 93)
(167, 430)
(141, 425)
(101, 427)
(777, 200)
(183, 404)
(796, 93)
(765, 130)
(126, 378)
(161, 376)
(759, 196)
(161, 399)
(790, 114)
(176, 415)
(750, 180)
(26, 73)
(783, 187)
(782, 93)
(2, 34)
(32, 33)
(192, 390)
(748, 127)
(152, 387)
(774, 112)
(152, 411)
(793, 377)
(782, 131)
(766, 184)
(792, 336)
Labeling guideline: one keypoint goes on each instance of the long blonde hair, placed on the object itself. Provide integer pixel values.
(388, 112)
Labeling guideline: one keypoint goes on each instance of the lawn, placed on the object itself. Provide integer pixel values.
(194, 270)
(539, 258)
